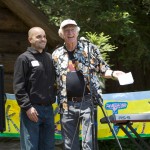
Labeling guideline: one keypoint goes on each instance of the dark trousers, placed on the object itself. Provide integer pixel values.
(38, 135)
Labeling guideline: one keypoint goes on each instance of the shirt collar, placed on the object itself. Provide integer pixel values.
(33, 51)
(78, 46)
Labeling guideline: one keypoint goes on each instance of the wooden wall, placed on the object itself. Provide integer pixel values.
(13, 41)
(16, 18)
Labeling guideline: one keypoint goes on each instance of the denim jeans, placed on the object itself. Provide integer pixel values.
(37, 135)
(70, 121)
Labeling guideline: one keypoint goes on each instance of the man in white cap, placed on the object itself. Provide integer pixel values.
(71, 63)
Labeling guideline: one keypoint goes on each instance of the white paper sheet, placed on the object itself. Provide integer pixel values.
(126, 78)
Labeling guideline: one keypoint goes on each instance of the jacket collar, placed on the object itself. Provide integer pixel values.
(33, 51)
(76, 49)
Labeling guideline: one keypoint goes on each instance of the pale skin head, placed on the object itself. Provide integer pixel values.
(37, 38)
(70, 35)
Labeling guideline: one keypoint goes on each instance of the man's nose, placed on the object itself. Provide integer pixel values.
(43, 38)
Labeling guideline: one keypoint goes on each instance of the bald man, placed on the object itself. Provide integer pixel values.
(34, 90)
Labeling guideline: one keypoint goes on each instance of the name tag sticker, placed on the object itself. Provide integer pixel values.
(35, 63)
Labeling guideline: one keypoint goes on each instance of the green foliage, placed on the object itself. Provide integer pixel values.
(127, 22)
(102, 43)
(126, 144)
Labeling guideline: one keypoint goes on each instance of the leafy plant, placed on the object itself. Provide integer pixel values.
(102, 42)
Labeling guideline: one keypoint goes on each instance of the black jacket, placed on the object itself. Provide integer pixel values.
(34, 79)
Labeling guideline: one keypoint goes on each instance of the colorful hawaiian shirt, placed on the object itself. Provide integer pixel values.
(89, 62)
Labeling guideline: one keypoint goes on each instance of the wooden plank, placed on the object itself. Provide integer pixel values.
(8, 83)
(25, 10)
(8, 61)
(10, 22)
(2, 5)
(13, 42)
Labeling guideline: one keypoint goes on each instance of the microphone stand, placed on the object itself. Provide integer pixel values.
(94, 111)
(108, 122)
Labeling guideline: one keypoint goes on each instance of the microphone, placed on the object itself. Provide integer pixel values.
(84, 39)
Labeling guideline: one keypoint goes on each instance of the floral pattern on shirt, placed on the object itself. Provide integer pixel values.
(97, 67)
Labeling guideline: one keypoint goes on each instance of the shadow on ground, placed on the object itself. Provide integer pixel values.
(14, 144)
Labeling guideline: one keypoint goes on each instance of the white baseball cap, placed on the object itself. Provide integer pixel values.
(67, 22)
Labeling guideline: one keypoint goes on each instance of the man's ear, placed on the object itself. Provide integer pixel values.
(30, 39)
